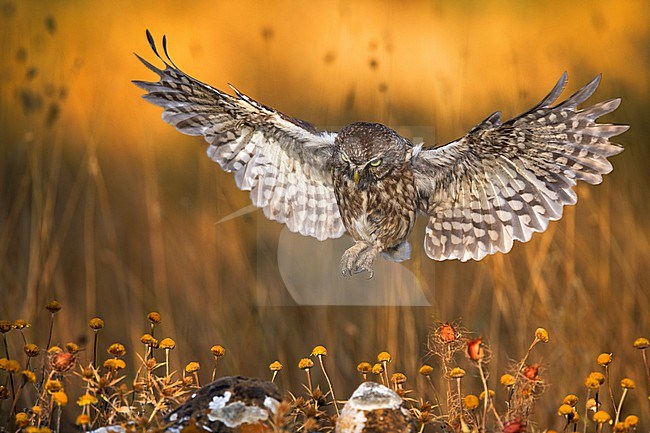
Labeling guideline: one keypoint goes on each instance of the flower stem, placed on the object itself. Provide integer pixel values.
(322, 366)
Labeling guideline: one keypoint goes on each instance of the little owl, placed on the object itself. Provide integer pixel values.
(499, 183)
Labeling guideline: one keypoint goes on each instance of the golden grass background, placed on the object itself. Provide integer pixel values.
(112, 212)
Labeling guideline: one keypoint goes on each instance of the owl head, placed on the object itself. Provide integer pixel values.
(368, 152)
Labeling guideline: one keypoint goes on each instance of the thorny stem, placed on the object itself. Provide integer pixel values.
(620, 405)
(487, 394)
(322, 366)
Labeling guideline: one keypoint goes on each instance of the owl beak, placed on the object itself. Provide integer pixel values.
(356, 176)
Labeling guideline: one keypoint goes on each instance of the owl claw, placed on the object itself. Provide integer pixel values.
(357, 259)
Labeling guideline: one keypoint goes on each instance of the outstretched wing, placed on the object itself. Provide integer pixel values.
(503, 182)
(282, 161)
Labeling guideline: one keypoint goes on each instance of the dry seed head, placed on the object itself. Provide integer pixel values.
(60, 398)
(22, 420)
(218, 350)
(96, 323)
(86, 400)
(305, 364)
(604, 359)
(425, 370)
(167, 344)
(542, 335)
(447, 333)
(398, 378)
(531, 371)
(470, 402)
(507, 380)
(88, 373)
(5, 326)
(474, 350)
(21, 324)
(82, 419)
(71, 348)
(116, 349)
(602, 417)
(570, 399)
(13, 366)
(641, 343)
(192, 367)
(377, 369)
(62, 361)
(384, 357)
(456, 373)
(364, 367)
(28, 376)
(565, 410)
(53, 306)
(275, 366)
(154, 317)
(319, 351)
(628, 383)
(632, 420)
(31, 350)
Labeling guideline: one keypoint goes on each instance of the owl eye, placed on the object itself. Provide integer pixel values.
(375, 162)
(344, 157)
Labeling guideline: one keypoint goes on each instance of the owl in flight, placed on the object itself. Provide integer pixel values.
(501, 182)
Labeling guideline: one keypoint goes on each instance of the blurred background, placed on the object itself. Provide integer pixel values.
(108, 209)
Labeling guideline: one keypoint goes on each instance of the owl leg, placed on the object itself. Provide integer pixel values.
(350, 259)
(399, 253)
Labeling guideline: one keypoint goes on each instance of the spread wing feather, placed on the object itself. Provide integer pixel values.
(503, 182)
(282, 161)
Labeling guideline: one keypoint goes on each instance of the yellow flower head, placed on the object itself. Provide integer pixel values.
(470, 402)
(21, 324)
(71, 348)
(275, 366)
(82, 419)
(22, 420)
(364, 367)
(604, 359)
(600, 377)
(565, 410)
(154, 317)
(218, 350)
(591, 404)
(456, 373)
(60, 398)
(570, 399)
(12, 366)
(28, 376)
(482, 394)
(305, 364)
(384, 357)
(147, 339)
(167, 344)
(5, 326)
(36, 410)
(54, 350)
(114, 364)
(620, 427)
(628, 383)
(425, 370)
(631, 420)
(641, 343)
(192, 367)
(319, 351)
(53, 306)
(96, 323)
(116, 349)
(602, 417)
(398, 378)
(542, 335)
(86, 400)
(377, 369)
(507, 380)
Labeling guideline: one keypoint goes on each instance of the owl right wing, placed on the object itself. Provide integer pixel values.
(503, 182)
(282, 161)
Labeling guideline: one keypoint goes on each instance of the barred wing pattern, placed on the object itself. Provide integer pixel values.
(282, 161)
(503, 182)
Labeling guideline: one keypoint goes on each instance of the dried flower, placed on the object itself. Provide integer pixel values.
(592, 382)
(377, 369)
(82, 419)
(591, 404)
(28, 376)
(565, 410)
(60, 398)
(114, 364)
(154, 317)
(384, 357)
(474, 350)
(86, 400)
(602, 417)
(192, 367)
(641, 343)
(364, 367)
(542, 335)
(72, 348)
(398, 378)
(570, 399)
(456, 373)
(600, 377)
(305, 364)
(53, 306)
(5, 326)
(147, 339)
(12, 366)
(22, 420)
(507, 380)
(116, 349)
(319, 351)
(96, 323)
(31, 350)
(482, 394)
(21, 324)
(36, 410)
(447, 333)
(218, 350)
(628, 383)
(531, 371)
(54, 350)
(470, 402)
(167, 344)
(604, 359)
(425, 370)
(620, 427)
(632, 420)
(275, 366)
(62, 361)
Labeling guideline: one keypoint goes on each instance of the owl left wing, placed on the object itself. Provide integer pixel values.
(503, 182)
(282, 161)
